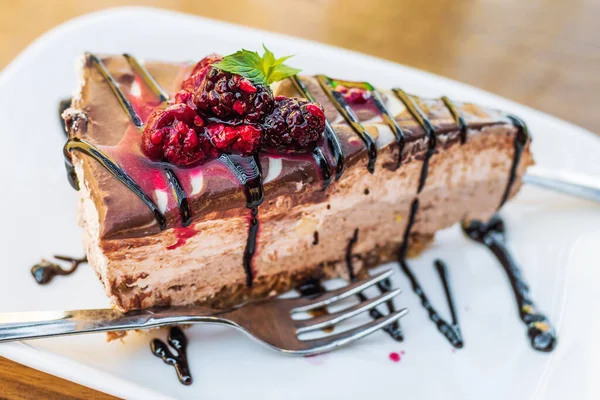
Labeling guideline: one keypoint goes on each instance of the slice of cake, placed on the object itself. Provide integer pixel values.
(227, 180)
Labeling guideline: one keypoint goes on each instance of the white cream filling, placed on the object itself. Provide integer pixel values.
(275, 167)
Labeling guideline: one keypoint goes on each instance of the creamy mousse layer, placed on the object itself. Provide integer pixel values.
(304, 231)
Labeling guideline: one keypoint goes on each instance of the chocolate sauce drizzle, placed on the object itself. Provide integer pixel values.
(62, 107)
(330, 136)
(346, 111)
(521, 139)
(180, 197)
(323, 166)
(45, 271)
(384, 286)
(391, 122)
(76, 144)
(114, 86)
(458, 119)
(178, 342)
(427, 126)
(493, 235)
(451, 331)
(143, 73)
(247, 171)
(383, 111)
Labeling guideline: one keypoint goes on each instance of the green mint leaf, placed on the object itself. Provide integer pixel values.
(260, 70)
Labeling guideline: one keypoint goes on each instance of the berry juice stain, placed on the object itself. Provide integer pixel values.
(396, 357)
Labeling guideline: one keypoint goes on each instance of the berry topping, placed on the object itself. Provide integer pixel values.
(244, 139)
(175, 134)
(294, 125)
(354, 95)
(228, 95)
(197, 75)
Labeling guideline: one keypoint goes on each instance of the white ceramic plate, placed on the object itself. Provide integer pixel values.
(555, 238)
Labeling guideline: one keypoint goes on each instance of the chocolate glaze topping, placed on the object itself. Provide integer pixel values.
(178, 341)
(493, 235)
(45, 271)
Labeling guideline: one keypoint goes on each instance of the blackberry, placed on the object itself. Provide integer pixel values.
(230, 96)
(294, 125)
(176, 135)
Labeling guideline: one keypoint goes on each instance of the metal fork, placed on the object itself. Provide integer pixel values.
(268, 321)
(584, 186)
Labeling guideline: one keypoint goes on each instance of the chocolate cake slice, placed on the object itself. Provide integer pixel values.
(387, 170)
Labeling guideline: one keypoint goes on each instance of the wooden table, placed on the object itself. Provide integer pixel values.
(542, 54)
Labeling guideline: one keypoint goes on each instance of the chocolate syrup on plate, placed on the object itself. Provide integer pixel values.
(493, 235)
(45, 271)
(178, 342)
(451, 331)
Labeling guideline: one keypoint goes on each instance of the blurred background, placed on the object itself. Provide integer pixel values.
(542, 53)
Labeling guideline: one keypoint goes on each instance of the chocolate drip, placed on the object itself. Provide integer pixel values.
(330, 136)
(147, 78)
(323, 166)
(45, 271)
(344, 109)
(76, 144)
(384, 286)
(178, 341)
(315, 238)
(247, 171)
(521, 139)
(114, 86)
(427, 126)
(450, 331)
(493, 235)
(180, 197)
(458, 119)
(391, 122)
(62, 106)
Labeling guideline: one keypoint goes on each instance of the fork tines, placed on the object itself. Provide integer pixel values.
(330, 342)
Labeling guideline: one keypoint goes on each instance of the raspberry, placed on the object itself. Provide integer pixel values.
(175, 134)
(243, 139)
(230, 96)
(354, 95)
(294, 125)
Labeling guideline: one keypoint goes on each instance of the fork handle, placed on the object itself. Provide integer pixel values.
(34, 325)
(585, 186)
